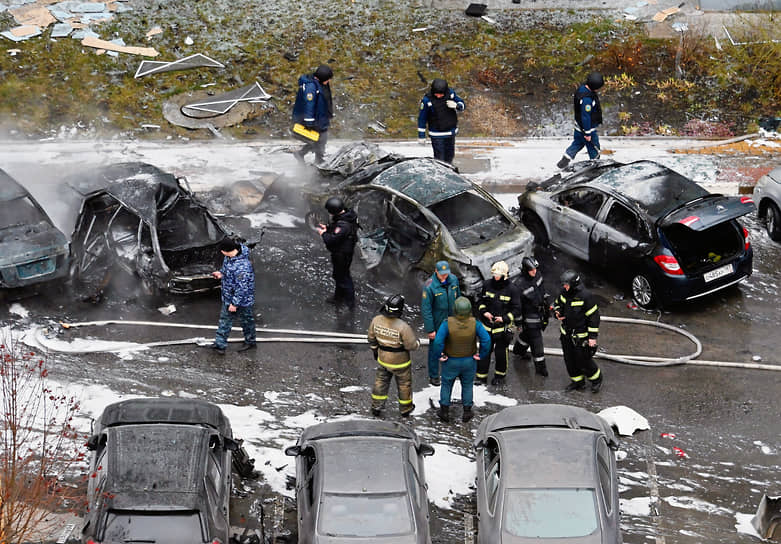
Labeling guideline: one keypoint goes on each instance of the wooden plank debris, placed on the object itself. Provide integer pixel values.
(662, 15)
(97, 43)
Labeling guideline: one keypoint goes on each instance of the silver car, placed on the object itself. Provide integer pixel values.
(767, 196)
(361, 481)
(546, 473)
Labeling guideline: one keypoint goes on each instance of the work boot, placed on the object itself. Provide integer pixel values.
(376, 412)
(517, 349)
(481, 381)
(563, 162)
(541, 369)
(596, 385)
(216, 348)
(575, 386)
(408, 412)
(444, 413)
(245, 347)
(468, 414)
(498, 380)
(436, 382)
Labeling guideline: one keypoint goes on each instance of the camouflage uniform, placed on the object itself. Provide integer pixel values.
(391, 339)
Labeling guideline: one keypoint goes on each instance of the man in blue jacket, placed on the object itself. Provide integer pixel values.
(438, 110)
(314, 108)
(588, 115)
(437, 303)
(456, 344)
(238, 295)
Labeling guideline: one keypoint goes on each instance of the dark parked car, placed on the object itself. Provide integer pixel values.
(32, 249)
(670, 238)
(546, 473)
(135, 217)
(361, 481)
(767, 194)
(160, 472)
(416, 211)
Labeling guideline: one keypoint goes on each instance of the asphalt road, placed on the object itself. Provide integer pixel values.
(727, 421)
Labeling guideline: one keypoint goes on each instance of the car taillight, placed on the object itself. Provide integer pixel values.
(745, 238)
(746, 200)
(90, 541)
(669, 264)
(216, 541)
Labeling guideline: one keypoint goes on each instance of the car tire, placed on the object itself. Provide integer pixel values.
(643, 292)
(534, 224)
(773, 222)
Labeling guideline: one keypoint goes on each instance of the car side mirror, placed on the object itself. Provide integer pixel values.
(293, 451)
(92, 443)
(426, 450)
(479, 445)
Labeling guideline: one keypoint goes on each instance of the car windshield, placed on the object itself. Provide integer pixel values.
(365, 515)
(19, 211)
(471, 219)
(169, 527)
(550, 513)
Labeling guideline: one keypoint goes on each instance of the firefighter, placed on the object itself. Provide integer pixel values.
(437, 302)
(340, 237)
(455, 346)
(497, 311)
(535, 309)
(578, 314)
(391, 339)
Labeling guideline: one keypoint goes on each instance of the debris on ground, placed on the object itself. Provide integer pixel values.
(91, 41)
(197, 60)
(767, 520)
(624, 419)
(220, 105)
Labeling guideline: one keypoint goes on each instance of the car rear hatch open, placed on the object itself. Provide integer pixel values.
(702, 233)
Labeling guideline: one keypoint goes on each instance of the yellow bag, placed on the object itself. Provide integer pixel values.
(305, 134)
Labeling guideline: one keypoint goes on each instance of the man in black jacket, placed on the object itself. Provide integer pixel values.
(534, 303)
(340, 236)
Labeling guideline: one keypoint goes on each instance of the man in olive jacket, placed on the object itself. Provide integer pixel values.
(437, 303)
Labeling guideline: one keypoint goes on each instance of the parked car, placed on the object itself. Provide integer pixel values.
(546, 473)
(670, 238)
(767, 195)
(161, 472)
(361, 481)
(137, 218)
(414, 212)
(32, 249)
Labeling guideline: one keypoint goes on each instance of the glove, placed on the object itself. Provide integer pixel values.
(421, 141)
(592, 350)
(451, 104)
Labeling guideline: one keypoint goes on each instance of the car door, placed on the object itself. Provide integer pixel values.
(306, 495)
(572, 219)
(608, 484)
(619, 236)
(489, 491)
(409, 231)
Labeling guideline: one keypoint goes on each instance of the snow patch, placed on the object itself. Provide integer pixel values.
(626, 420)
(353, 389)
(638, 506)
(743, 525)
(448, 474)
(278, 219)
(481, 395)
(694, 503)
(18, 309)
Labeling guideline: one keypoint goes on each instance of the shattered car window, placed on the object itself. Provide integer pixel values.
(365, 515)
(20, 211)
(184, 225)
(471, 219)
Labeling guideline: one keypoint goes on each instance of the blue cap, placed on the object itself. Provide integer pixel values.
(443, 267)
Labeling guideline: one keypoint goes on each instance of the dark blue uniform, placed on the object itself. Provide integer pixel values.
(313, 109)
(442, 123)
(588, 115)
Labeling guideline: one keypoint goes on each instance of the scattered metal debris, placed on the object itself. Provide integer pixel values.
(220, 105)
(193, 61)
(767, 521)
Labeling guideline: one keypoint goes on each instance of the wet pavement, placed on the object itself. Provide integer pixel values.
(725, 421)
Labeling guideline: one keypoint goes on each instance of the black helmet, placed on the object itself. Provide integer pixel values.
(595, 81)
(438, 86)
(393, 306)
(571, 278)
(529, 263)
(324, 73)
(334, 205)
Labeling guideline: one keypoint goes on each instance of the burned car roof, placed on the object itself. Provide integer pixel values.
(182, 411)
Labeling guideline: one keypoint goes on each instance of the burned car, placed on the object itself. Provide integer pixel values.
(137, 218)
(160, 471)
(767, 194)
(546, 472)
(32, 249)
(416, 211)
(669, 238)
(361, 481)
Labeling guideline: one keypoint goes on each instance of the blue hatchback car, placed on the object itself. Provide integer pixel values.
(669, 238)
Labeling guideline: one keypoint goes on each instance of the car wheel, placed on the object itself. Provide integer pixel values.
(643, 291)
(773, 222)
(534, 224)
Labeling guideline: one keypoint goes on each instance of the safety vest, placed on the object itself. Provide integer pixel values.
(461, 338)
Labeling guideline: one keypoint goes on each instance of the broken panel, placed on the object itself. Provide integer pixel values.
(221, 104)
(193, 61)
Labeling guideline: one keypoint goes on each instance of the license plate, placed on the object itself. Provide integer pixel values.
(720, 272)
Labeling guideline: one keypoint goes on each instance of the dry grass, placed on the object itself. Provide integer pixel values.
(485, 116)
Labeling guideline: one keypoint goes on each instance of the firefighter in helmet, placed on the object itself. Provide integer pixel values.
(497, 311)
(535, 309)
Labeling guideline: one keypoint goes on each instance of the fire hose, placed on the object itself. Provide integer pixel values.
(45, 341)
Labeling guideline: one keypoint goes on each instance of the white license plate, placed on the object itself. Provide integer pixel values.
(720, 272)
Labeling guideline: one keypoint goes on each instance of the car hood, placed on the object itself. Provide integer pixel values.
(707, 212)
(30, 242)
(510, 247)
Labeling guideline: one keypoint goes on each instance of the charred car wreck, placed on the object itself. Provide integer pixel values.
(414, 212)
(135, 217)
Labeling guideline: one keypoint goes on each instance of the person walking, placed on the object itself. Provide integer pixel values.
(314, 109)
(535, 309)
(578, 314)
(237, 277)
(588, 116)
(440, 292)
(456, 346)
(391, 339)
(497, 310)
(438, 110)
(340, 237)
